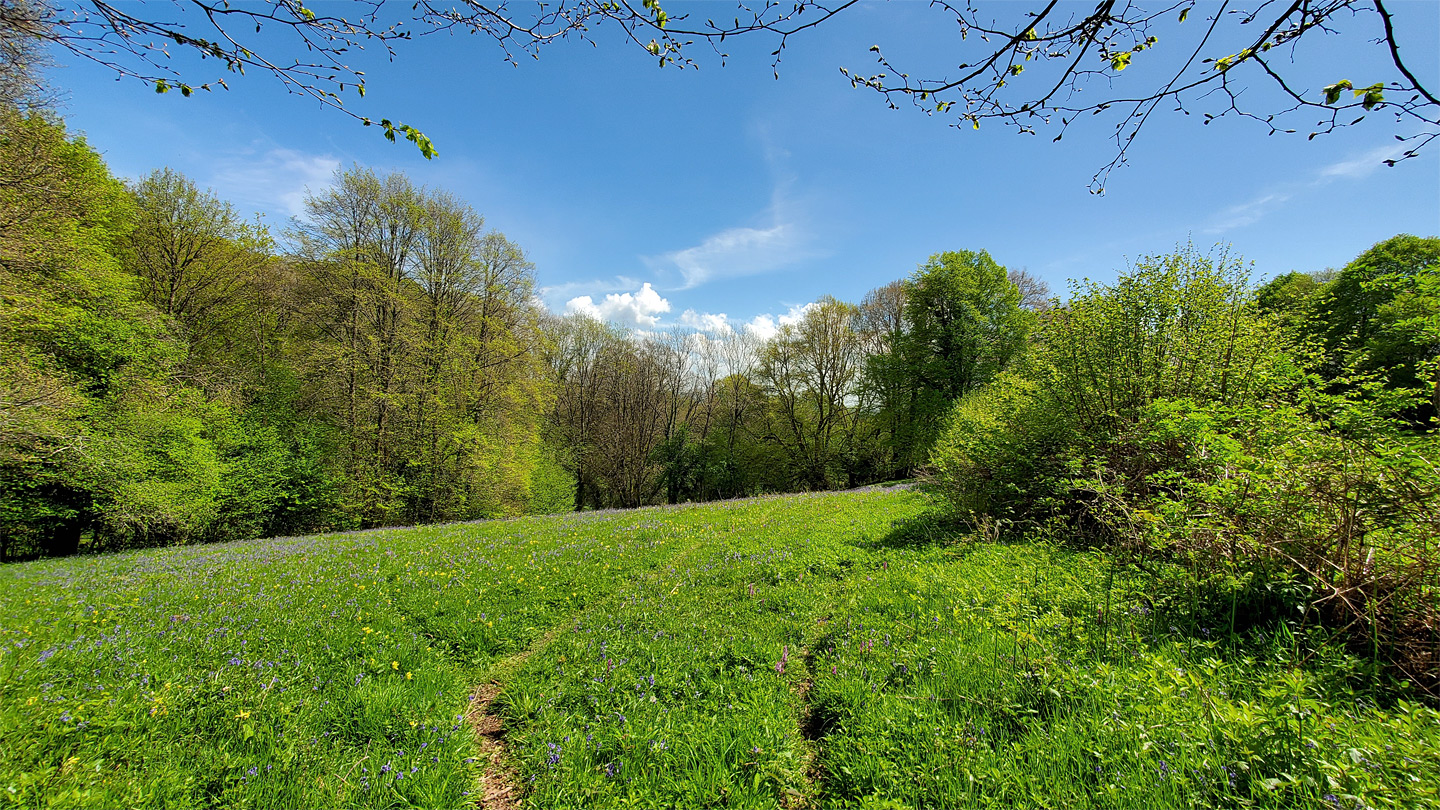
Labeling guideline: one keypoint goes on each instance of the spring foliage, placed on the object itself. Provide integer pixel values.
(1175, 415)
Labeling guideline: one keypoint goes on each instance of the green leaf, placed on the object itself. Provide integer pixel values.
(1333, 91)
(1184, 12)
(1373, 95)
(1120, 61)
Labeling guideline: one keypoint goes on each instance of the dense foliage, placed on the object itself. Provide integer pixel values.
(172, 377)
(1279, 441)
(181, 375)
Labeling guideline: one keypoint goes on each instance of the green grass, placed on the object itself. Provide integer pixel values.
(811, 650)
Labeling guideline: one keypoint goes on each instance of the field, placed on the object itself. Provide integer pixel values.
(829, 650)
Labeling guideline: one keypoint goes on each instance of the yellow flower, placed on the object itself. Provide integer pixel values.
(409, 677)
(413, 724)
(242, 715)
(394, 664)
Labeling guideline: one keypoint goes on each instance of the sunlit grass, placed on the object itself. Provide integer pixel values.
(774, 652)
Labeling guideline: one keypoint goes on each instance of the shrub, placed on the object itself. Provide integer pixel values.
(1162, 417)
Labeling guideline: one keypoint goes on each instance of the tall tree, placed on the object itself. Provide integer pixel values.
(962, 323)
(197, 261)
(809, 373)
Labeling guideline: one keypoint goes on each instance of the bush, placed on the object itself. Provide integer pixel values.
(998, 453)
(1162, 418)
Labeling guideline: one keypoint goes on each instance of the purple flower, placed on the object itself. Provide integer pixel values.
(234, 662)
(45, 656)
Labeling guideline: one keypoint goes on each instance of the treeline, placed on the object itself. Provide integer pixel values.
(173, 375)
(846, 395)
(1278, 442)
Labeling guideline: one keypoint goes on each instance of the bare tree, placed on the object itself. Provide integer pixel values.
(1034, 292)
(809, 371)
(22, 56)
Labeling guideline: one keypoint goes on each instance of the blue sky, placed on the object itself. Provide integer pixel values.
(657, 192)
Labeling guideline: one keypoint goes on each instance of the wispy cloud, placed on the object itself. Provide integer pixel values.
(1363, 165)
(1355, 168)
(781, 240)
(640, 309)
(733, 252)
(556, 295)
(1238, 216)
(273, 180)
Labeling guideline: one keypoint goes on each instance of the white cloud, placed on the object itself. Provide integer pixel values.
(765, 327)
(641, 308)
(762, 326)
(796, 314)
(275, 180)
(716, 322)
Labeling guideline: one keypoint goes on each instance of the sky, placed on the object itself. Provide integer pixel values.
(717, 196)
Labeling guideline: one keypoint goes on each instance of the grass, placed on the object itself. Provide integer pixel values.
(803, 651)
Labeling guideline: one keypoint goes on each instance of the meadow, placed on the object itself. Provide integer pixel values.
(824, 650)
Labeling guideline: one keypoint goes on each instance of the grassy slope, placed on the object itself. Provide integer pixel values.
(786, 651)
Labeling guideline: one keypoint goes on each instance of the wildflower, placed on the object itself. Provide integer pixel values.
(395, 665)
